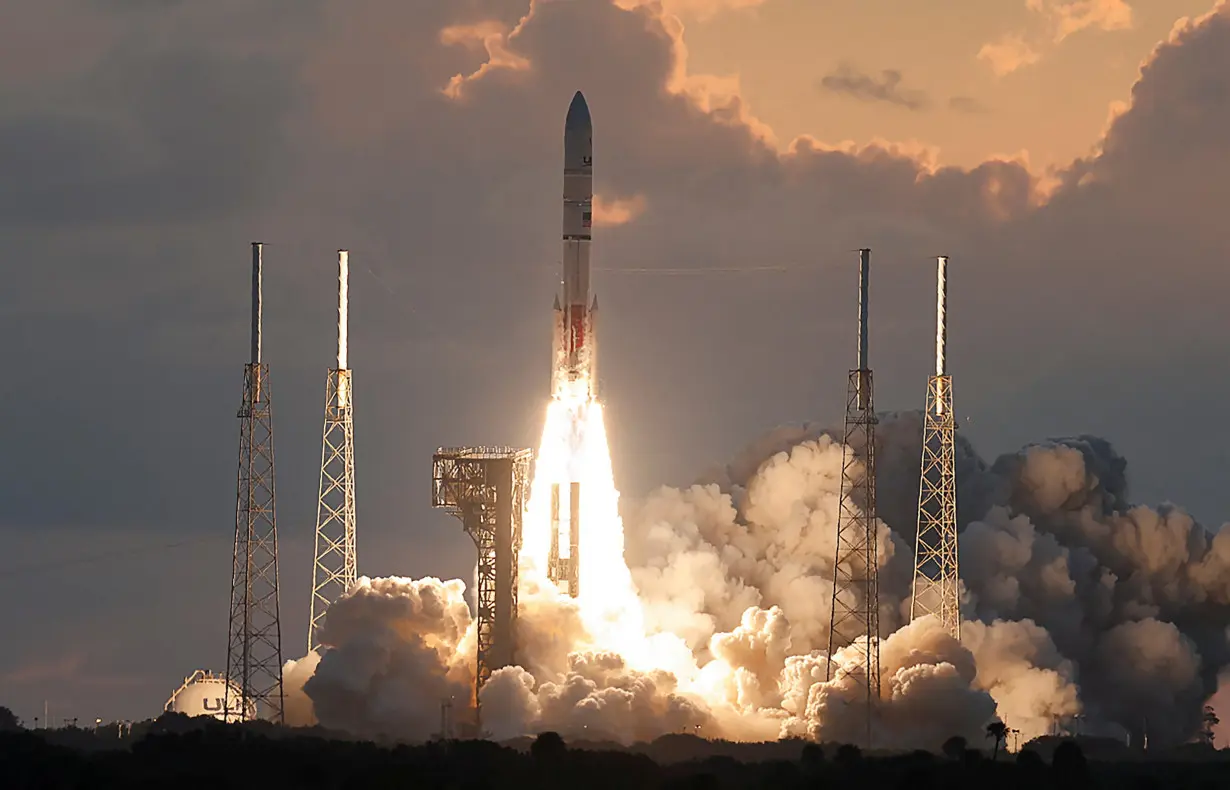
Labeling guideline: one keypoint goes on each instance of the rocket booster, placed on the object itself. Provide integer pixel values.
(574, 372)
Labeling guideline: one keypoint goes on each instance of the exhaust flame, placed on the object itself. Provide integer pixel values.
(574, 449)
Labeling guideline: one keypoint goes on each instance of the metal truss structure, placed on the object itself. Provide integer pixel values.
(936, 581)
(855, 613)
(336, 566)
(486, 488)
(254, 657)
(335, 563)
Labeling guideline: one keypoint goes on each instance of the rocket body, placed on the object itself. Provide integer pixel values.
(574, 372)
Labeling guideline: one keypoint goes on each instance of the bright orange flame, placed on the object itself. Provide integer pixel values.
(574, 449)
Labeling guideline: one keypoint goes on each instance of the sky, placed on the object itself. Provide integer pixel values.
(1068, 156)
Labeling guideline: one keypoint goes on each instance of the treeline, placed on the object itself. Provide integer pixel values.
(181, 753)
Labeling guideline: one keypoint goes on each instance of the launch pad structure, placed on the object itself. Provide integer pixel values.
(936, 586)
(487, 488)
(254, 651)
(855, 613)
(335, 563)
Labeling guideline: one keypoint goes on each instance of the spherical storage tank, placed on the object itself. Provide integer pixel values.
(204, 694)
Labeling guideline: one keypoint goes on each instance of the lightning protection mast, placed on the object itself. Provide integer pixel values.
(855, 614)
(936, 589)
(254, 657)
(335, 567)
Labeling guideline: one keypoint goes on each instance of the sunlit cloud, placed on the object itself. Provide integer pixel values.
(1008, 54)
(493, 37)
(700, 9)
(1071, 16)
(611, 212)
(1058, 19)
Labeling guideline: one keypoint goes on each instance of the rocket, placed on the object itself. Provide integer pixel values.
(574, 373)
(574, 370)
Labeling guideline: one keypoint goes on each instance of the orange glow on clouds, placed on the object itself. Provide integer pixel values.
(612, 212)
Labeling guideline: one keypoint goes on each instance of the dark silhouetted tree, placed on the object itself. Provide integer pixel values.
(1069, 764)
(1208, 724)
(812, 758)
(548, 746)
(8, 722)
(848, 756)
(997, 730)
(1029, 759)
(954, 748)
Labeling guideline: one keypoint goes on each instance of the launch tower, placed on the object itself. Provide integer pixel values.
(855, 617)
(936, 589)
(486, 488)
(335, 566)
(254, 657)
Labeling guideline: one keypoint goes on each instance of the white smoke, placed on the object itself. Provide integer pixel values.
(1075, 602)
(395, 649)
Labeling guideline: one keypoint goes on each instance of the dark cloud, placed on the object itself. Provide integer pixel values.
(967, 104)
(181, 136)
(152, 165)
(849, 80)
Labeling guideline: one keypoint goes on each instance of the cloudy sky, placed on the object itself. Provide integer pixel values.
(1069, 155)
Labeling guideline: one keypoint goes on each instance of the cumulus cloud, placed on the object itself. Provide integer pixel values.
(1066, 17)
(1058, 20)
(496, 41)
(1008, 53)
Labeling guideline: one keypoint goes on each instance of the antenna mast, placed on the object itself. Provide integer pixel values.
(335, 566)
(855, 616)
(936, 586)
(254, 656)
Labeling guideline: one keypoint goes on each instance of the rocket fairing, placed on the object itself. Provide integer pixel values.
(574, 361)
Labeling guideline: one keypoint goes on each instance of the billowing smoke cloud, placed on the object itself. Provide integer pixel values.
(1135, 598)
(394, 650)
(1076, 604)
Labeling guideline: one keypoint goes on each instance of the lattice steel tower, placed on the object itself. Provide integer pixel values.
(335, 566)
(486, 487)
(856, 598)
(254, 658)
(936, 589)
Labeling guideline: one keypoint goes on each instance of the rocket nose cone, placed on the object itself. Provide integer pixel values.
(578, 113)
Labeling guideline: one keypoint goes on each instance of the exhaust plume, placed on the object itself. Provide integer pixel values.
(1075, 603)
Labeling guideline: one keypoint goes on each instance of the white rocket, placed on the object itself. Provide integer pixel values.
(574, 370)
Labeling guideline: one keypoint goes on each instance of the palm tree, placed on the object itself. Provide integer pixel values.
(1208, 724)
(997, 730)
